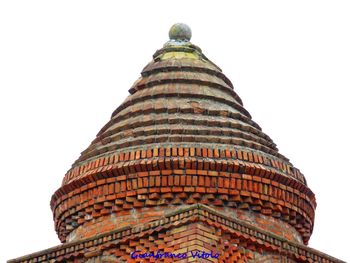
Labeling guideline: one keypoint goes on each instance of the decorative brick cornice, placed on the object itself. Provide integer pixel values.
(230, 158)
(233, 178)
(251, 236)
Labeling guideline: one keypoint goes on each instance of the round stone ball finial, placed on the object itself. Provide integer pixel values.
(180, 32)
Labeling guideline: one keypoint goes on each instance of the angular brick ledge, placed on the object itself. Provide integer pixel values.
(256, 239)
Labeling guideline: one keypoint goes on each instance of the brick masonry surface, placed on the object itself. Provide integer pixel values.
(182, 167)
(192, 228)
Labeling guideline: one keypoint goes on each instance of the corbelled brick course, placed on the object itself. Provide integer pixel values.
(228, 181)
(191, 228)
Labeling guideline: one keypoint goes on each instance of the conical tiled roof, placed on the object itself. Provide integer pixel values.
(182, 136)
(181, 95)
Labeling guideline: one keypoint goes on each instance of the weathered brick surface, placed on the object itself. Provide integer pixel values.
(192, 228)
(181, 166)
(181, 137)
(177, 176)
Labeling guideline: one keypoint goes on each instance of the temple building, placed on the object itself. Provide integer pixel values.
(182, 173)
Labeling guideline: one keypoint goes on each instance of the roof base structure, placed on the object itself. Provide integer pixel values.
(193, 233)
(182, 173)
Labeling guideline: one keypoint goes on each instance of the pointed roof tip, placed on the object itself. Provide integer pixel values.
(180, 32)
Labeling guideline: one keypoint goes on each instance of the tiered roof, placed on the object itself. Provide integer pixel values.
(182, 151)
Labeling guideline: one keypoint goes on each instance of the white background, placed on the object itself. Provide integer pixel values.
(66, 65)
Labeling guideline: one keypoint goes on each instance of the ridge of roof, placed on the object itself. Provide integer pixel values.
(179, 217)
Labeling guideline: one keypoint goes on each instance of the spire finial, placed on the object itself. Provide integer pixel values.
(180, 32)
